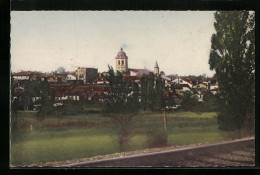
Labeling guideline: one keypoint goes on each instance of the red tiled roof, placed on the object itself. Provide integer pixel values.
(130, 78)
(62, 90)
(141, 71)
(101, 79)
(24, 73)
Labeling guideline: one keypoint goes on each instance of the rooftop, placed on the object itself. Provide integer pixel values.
(121, 54)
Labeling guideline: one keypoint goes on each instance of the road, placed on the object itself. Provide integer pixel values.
(232, 154)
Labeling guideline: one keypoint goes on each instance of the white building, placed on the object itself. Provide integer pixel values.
(181, 81)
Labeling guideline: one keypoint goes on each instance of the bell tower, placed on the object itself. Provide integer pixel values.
(156, 69)
(121, 61)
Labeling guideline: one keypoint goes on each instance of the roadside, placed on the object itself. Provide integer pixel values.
(190, 163)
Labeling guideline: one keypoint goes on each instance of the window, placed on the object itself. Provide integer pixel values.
(118, 62)
(122, 62)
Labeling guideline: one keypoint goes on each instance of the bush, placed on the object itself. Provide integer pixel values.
(230, 121)
(209, 104)
(157, 139)
(16, 121)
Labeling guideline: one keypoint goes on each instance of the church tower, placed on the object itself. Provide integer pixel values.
(156, 69)
(121, 62)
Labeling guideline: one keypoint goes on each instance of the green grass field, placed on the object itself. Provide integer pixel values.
(88, 135)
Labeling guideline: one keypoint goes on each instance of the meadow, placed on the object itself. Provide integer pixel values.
(78, 136)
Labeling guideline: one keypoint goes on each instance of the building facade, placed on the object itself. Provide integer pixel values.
(156, 69)
(122, 66)
(88, 75)
(121, 62)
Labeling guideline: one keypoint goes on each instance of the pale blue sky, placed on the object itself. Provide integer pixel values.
(45, 40)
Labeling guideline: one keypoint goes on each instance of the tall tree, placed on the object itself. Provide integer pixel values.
(151, 92)
(16, 120)
(37, 88)
(121, 105)
(148, 92)
(158, 100)
(60, 70)
(232, 56)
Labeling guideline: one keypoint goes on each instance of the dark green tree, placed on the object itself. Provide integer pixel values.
(16, 120)
(45, 101)
(158, 99)
(189, 103)
(232, 56)
(37, 88)
(148, 92)
(210, 103)
(121, 105)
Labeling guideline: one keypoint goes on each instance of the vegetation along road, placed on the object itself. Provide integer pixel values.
(53, 141)
(233, 153)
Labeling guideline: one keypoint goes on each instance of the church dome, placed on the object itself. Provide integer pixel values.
(121, 54)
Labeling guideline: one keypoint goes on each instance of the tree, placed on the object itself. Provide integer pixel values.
(151, 92)
(147, 92)
(45, 101)
(37, 88)
(188, 102)
(210, 102)
(158, 99)
(232, 56)
(122, 105)
(16, 120)
(162, 73)
(60, 70)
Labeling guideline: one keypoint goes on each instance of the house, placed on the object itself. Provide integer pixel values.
(182, 81)
(88, 75)
(77, 93)
(139, 72)
(167, 82)
(180, 88)
(122, 66)
(213, 86)
(201, 85)
(214, 91)
(101, 80)
(135, 79)
(70, 77)
(103, 74)
(173, 99)
(24, 75)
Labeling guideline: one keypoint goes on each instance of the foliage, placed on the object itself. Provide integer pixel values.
(122, 104)
(60, 70)
(232, 56)
(157, 139)
(162, 73)
(37, 88)
(16, 120)
(46, 144)
(123, 96)
(210, 102)
(151, 92)
(188, 102)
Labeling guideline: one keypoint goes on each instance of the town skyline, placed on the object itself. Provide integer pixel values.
(178, 41)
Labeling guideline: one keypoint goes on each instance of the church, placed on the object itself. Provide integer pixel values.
(122, 66)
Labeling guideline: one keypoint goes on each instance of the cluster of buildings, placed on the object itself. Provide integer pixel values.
(86, 84)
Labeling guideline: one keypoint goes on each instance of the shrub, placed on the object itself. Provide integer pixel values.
(157, 139)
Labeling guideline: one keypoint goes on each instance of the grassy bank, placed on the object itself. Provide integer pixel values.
(87, 135)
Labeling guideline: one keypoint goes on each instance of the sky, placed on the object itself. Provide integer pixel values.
(179, 41)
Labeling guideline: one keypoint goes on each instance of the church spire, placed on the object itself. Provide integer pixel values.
(156, 69)
(156, 64)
